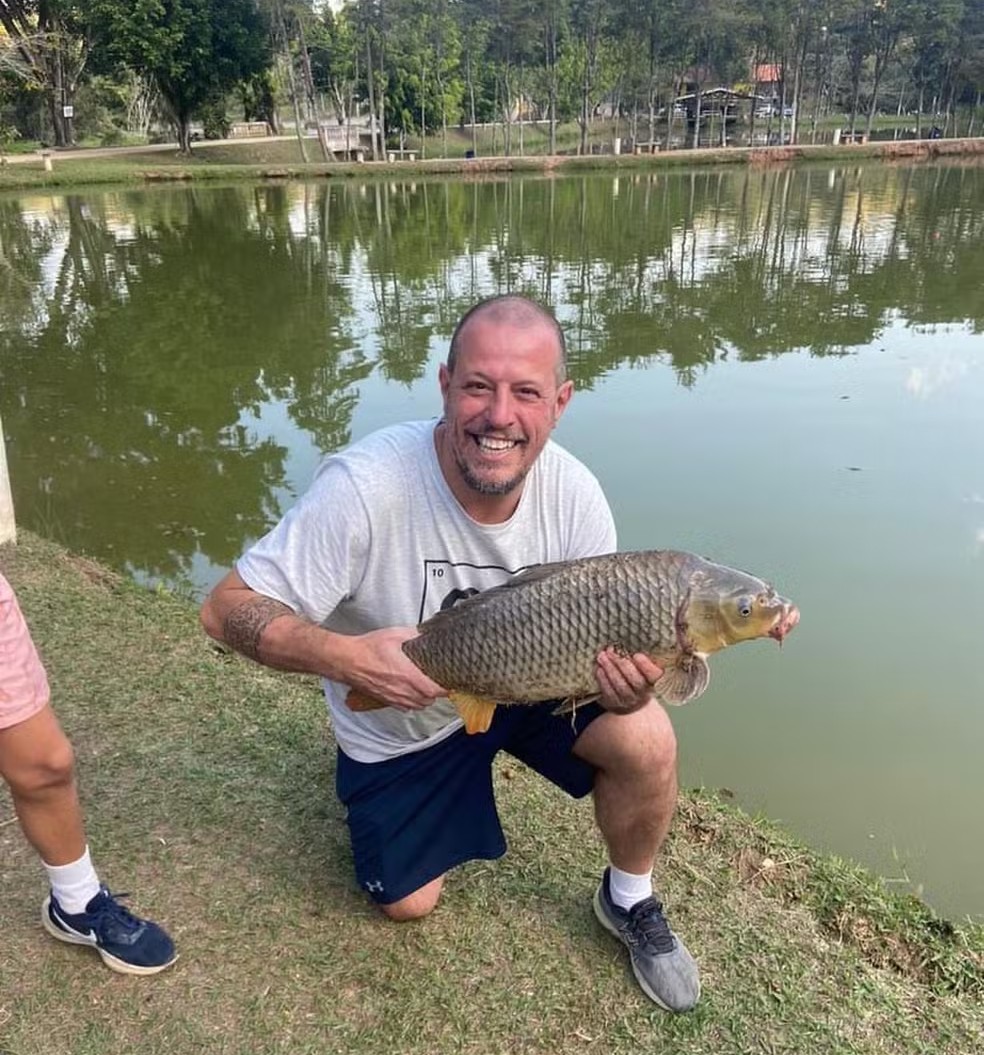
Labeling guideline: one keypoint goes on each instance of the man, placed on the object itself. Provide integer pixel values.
(37, 764)
(406, 522)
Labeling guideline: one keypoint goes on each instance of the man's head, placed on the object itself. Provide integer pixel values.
(504, 388)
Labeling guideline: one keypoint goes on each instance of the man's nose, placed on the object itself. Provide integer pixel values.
(501, 408)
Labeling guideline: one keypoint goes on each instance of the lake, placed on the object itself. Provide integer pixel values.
(782, 369)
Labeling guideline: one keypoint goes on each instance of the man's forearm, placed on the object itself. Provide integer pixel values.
(272, 634)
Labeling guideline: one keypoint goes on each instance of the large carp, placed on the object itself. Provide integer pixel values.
(537, 636)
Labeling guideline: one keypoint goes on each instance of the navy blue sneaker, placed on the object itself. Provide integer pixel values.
(660, 961)
(126, 943)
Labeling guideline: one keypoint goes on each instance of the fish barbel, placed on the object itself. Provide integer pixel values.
(537, 637)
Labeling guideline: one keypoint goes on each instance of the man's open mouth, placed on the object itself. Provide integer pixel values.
(495, 444)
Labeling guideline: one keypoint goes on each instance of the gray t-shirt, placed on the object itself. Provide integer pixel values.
(379, 540)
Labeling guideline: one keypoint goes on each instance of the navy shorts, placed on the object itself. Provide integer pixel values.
(414, 817)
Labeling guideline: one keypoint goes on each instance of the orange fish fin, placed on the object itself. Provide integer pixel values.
(684, 680)
(359, 701)
(476, 711)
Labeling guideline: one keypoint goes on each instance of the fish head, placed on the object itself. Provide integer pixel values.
(727, 606)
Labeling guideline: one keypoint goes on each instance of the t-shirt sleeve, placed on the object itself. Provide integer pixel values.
(316, 555)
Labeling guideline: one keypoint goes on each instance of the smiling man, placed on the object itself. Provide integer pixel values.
(406, 522)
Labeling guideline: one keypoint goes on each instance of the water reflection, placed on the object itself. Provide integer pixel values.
(781, 368)
(143, 331)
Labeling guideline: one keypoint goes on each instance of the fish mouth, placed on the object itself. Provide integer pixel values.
(788, 618)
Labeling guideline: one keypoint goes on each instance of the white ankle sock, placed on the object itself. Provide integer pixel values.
(627, 889)
(75, 884)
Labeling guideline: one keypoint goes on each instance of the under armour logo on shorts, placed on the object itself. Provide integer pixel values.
(374, 886)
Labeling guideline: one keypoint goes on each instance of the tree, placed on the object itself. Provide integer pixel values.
(195, 51)
(48, 48)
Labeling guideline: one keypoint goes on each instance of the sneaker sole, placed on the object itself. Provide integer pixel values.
(602, 915)
(112, 962)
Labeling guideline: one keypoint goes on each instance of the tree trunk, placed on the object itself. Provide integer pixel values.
(373, 130)
(973, 116)
(184, 133)
(311, 94)
(471, 97)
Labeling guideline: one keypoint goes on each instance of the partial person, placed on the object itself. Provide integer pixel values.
(405, 523)
(38, 766)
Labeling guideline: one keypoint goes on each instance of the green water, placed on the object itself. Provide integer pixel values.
(780, 369)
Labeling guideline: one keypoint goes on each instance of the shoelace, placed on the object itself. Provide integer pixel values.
(649, 926)
(112, 910)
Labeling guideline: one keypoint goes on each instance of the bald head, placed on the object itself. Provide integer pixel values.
(514, 310)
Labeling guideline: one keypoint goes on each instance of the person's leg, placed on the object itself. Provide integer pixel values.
(37, 762)
(414, 817)
(635, 786)
(629, 762)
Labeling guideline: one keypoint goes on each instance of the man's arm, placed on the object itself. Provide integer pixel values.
(273, 634)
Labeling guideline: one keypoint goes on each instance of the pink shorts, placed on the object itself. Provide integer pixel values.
(23, 683)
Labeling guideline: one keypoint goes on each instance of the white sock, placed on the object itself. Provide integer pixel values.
(627, 889)
(75, 884)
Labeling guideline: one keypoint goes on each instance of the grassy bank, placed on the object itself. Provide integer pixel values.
(281, 159)
(208, 785)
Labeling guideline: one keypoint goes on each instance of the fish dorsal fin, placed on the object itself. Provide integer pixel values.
(683, 681)
(534, 574)
(476, 711)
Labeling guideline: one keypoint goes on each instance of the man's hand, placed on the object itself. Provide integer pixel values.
(378, 667)
(626, 682)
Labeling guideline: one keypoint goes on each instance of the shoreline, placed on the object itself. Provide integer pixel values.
(124, 165)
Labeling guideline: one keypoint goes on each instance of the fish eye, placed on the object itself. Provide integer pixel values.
(744, 607)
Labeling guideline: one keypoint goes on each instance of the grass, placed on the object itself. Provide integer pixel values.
(208, 786)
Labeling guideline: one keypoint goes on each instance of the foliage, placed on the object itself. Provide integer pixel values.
(436, 62)
(193, 50)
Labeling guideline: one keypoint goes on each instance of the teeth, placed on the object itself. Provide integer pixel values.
(491, 443)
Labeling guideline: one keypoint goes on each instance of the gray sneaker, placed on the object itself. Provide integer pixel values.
(660, 961)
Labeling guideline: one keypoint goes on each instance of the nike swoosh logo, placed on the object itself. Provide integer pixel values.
(91, 936)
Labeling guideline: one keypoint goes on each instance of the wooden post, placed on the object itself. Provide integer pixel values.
(8, 530)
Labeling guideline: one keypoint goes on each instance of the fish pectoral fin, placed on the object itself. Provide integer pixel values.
(683, 681)
(571, 704)
(476, 711)
(360, 701)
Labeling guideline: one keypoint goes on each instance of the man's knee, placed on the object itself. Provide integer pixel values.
(644, 738)
(416, 905)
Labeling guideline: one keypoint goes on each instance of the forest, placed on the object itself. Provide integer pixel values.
(117, 71)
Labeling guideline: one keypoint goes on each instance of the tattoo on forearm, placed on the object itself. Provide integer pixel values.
(244, 625)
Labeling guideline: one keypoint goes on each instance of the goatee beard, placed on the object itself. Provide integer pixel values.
(489, 487)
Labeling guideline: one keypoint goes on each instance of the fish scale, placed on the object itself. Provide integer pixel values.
(537, 637)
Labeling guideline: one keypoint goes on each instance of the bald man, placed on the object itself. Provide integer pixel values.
(405, 523)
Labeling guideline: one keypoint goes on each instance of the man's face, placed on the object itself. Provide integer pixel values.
(501, 403)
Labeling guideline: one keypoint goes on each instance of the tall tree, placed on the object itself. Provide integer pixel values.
(48, 48)
(193, 50)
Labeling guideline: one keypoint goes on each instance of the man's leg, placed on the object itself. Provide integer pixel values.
(415, 817)
(635, 792)
(635, 787)
(416, 905)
